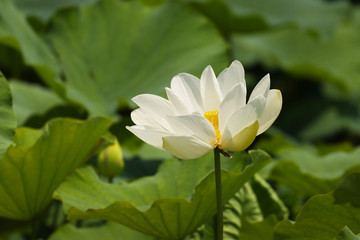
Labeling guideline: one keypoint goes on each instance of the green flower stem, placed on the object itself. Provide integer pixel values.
(219, 204)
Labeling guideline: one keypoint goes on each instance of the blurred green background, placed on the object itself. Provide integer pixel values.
(81, 58)
(87, 57)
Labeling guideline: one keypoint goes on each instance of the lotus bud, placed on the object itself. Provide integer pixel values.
(110, 160)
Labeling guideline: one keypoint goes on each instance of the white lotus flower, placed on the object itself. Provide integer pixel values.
(202, 114)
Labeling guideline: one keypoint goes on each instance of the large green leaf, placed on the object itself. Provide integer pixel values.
(269, 202)
(307, 172)
(263, 230)
(30, 99)
(349, 190)
(290, 174)
(324, 216)
(8, 121)
(120, 49)
(319, 219)
(18, 34)
(26, 137)
(45, 8)
(108, 231)
(330, 60)
(245, 213)
(255, 15)
(170, 205)
(347, 234)
(242, 206)
(329, 166)
(330, 122)
(30, 174)
(308, 14)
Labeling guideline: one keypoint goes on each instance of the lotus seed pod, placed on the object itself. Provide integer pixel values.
(110, 160)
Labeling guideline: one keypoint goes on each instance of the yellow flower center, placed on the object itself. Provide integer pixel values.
(213, 117)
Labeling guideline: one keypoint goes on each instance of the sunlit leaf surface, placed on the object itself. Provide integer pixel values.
(108, 231)
(169, 205)
(30, 174)
(120, 49)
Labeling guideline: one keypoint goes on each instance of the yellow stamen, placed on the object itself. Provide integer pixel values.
(213, 117)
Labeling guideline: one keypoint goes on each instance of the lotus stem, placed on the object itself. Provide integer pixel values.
(219, 204)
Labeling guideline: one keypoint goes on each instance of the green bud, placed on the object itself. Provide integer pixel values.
(110, 160)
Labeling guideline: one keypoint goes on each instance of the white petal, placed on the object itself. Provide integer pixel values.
(139, 117)
(157, 107)
(193, 125)
(259, 103)
(233, 101)
(231, 76)
(176, 102)
(210, 90)
(242, 140)
(244, 117)
(186, 147)
(187, 88)
(262, 88)
(149, 135)
(271, 111)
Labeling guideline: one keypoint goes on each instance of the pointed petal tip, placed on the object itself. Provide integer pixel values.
(137, 97)
(208, 70)
(238, 69)
(208, 67)
(266, 77)
(261, 88)
(210, 90)
(236, 63)
(132, 99)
